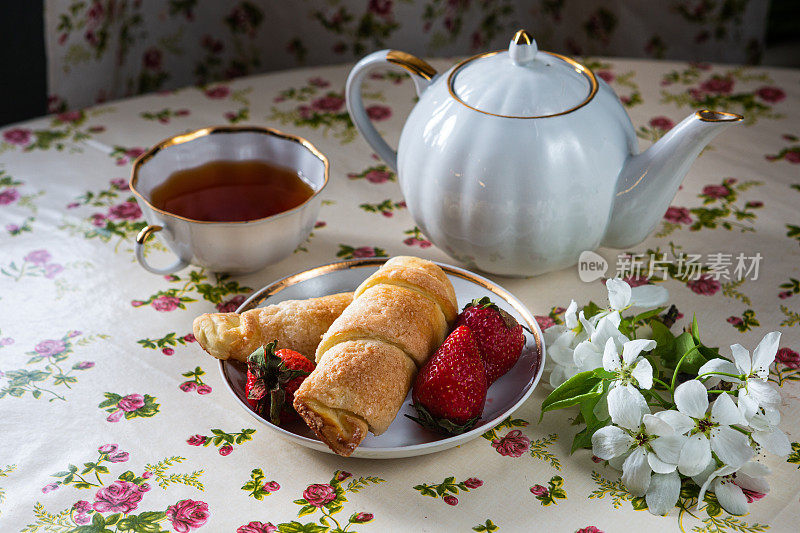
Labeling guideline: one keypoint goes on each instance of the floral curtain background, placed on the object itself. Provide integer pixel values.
(100, 50)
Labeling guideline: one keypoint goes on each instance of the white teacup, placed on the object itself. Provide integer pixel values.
(235, 247)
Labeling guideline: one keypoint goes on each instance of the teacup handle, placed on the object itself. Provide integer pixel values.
(139, 250)
(422, 74)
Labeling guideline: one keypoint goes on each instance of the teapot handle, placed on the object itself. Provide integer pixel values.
(422, 74)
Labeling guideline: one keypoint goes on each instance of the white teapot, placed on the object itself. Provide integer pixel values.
(514, 162)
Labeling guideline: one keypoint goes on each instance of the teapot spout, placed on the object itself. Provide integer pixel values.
(648, 181)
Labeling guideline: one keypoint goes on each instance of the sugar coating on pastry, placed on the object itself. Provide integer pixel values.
(295, 324)
(418, 275)
(367, 378)
(394, 315)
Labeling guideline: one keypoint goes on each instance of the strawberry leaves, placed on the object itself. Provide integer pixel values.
(271, 375)
(444, 426)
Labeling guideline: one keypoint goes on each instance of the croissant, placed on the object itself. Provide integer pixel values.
(296, 324)
(367, 360)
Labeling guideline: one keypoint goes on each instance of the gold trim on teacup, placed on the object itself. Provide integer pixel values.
(270, 290)
(707, 115)
(411, 63)
(143, 235)
(579, 68)
(213, 130)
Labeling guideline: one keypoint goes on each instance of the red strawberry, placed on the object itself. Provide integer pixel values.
(500, 338)
(272, 379)
(450, 389)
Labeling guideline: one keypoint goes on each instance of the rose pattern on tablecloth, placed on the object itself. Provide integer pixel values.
(223, 440)
(385, 208)
(447, 489)
(790, 154)
(719, 210)
(73, 476)
(347, 251)
(13, 200)
(416, 238)
(746, 322)
(195, 384)
(129, 406)
(159, 330)
(197, 281)
(48, 356)
(258, 487)
(164, 115)
(515, 444)
(552, 492)
(623, 83)
(167, 343)
(696, 89)
(487, 526)
(66, 130)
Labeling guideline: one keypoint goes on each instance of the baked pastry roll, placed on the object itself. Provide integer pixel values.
(367, 360)
(296, 324)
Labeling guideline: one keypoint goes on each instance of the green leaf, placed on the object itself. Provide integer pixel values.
(695, 329)
(112, 519)
(577, 389)
(297, 527)
(306, 510)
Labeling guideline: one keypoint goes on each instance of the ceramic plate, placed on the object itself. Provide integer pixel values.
(404, 438)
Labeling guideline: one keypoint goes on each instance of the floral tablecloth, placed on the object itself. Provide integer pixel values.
(113, 419)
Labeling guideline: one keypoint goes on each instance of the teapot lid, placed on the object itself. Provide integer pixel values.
(523, 82)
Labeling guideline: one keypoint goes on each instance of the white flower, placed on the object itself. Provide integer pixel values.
(632, 372)
(707, 432)
(766, 433)
(561, 341)
(727, 483)
(621, 296)
(588, 354)
(754, 390)
(646, 449)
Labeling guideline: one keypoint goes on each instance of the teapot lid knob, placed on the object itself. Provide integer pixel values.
(522, 49)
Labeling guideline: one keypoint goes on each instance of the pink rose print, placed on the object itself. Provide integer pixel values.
(544, 321)
(450, 500)
(792, 156)
(605, 75)
(716, 191)
(52, 270)
(257, 527)
(771, 94)
(319, 82)
(196, 440)
(379, 112)
(319, 494)
(119, 457)
(188, 386)
(38, 257)
(364, 251)
(589, 529)
(18, 136)
(167, 351)
(705, 285)
(147, 475)
(513, 444)
(362, 518)
(328, 103)
(131, 402)
(189, 337)
(231, 305)
(107, 448)
(678, 215)
(378, 176)
(788, 357)
(785, 294)
(422, 243)
(381, 8)
(70, 116)
(120, 496)
(6, 341)
(218, 92)
(116, 416)
(125, 211)
(271, 486)
(187, 515)
(661, 123)
(82, 506)
(538, 490)
(50, 487)
(342, 475)
(120, 183)
(83, 365)
(717, 85)
(164, 304)
(735, 321)
(51, 347)
(82, 518)
(203, 389)
(9, 196)
(98, 220)
(636, 281)
(226, 450)
(473, 483)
